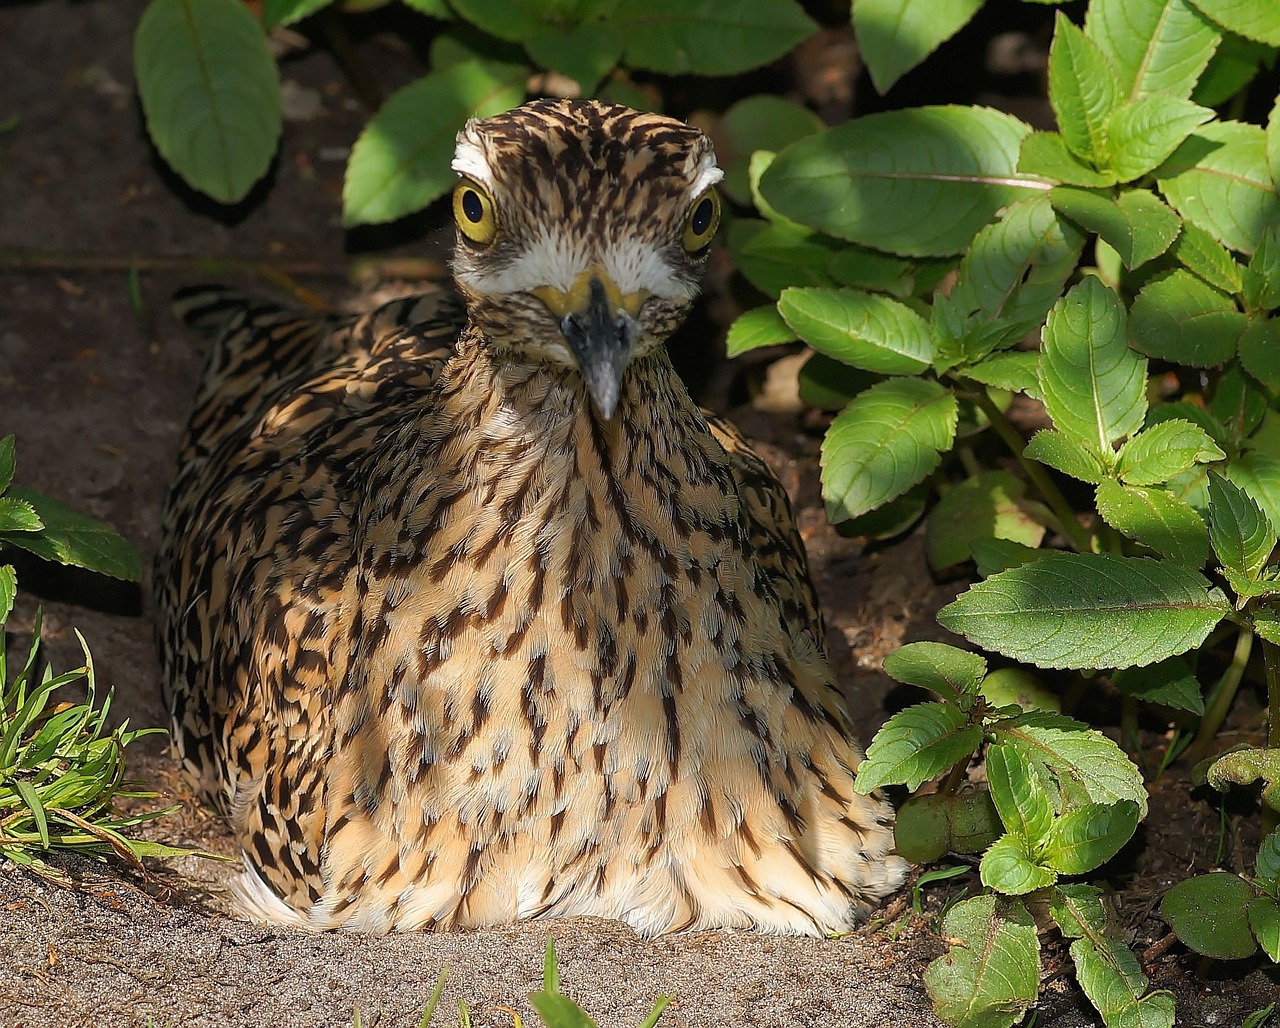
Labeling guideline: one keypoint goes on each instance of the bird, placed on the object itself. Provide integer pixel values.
(468, 614)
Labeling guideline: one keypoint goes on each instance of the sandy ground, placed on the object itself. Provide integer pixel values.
(96, 391)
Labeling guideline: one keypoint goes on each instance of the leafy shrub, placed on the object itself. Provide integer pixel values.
(61, 768)
(211, 91)
(1157, 364)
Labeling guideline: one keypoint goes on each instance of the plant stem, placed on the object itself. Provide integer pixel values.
(954, 779)
(1223, 695)
(1046, 486)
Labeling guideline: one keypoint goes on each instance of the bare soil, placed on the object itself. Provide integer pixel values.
(96, 383)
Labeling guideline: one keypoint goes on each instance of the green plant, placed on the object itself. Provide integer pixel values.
(211, 91)
(61, 769)
(1121, 272)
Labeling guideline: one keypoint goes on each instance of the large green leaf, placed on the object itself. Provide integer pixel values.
(1111, 977)
(1170, 682)
(400, 162)
(1025, 806)
(896, 35)
(990, 974)
(1155, 46)
(774, 257)
(1200, 253)
(917, 744)
(1086, 837)
(1016, 267)
(210, 92)
(761, 122)
(1046, 154)
(1088, 766)
(1180, 318)
(760, 326)
(708, 37)
(1070, 455)
(585, 53)
(69, 537)
(1155, 518)
(1209, 913)
(1094, 386)
(870, 332)
(286, 12)
(511, 20)
(1258, 20)
(1083, 89)
(918, 182)
(1258, 474)
(1219, 179)
(1138, 225)
(888, 439)
(1088, 610)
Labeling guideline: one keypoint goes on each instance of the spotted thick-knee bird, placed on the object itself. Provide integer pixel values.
(469, 614)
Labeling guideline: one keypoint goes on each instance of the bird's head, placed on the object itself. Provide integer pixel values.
(583, 229)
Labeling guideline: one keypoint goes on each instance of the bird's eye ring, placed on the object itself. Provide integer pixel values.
(474, 212)
(701, 222)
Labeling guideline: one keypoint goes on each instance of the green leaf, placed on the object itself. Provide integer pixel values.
(1267, 874)
(991, 504)
(1015, 372)
(1113, 980)
(1179, 318)
(1264, 292)
(1088, 766)
(1084, 838)
(1017, 266)
(1144, 132)
(286, 12)
(917, 744)
(1008, 686)
(949, 671)
(8, 590)
(762, 122)
(77, 539)
(896, 35)
(1139, 226)
(919, 182)
(1258, 474)
(708, 37)
(991, 556)
(1019, 794)
(776, 257)
(1257, 21)
(8, 462)
(867, 331)
(830, 385)
(433, 8)
(1094, 386)
(558, 1010)
(888, 439)
(1237, 401)
(1010, 867)
(1170, 682)
(760, 326)
(1244, 767)
(585, 53)
(1158, 453)
(400, 162)
(1155, 518)
(1242, 536)
(511, 20)
(210, 92)
(990, 974)
(1209, 914)
(878, 272)
(1088, 610)
(1077, 910)
(1264, 919)
(1083, 90)
(1201, 254)
(18, 516)
(1156, 46)
(1232, 67)
(1219, 179)
(1067, 454)
(889, 519)
(1273, 141)
(1045, 154)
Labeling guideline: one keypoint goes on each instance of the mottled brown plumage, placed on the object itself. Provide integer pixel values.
(469, 614)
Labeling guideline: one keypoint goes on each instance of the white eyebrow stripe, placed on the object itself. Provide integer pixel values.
(469, 160)
(709, 173)
(553, 260)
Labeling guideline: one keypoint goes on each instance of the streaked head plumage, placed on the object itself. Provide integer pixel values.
(583, 231)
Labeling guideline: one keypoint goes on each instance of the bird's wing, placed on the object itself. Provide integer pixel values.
(771, 526)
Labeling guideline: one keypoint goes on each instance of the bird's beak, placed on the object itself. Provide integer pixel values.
(599, 325)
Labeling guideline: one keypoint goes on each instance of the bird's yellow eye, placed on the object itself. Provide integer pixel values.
(702, 222)
(474, 212)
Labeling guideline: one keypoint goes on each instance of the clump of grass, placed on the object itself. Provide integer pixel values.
(62, 771)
